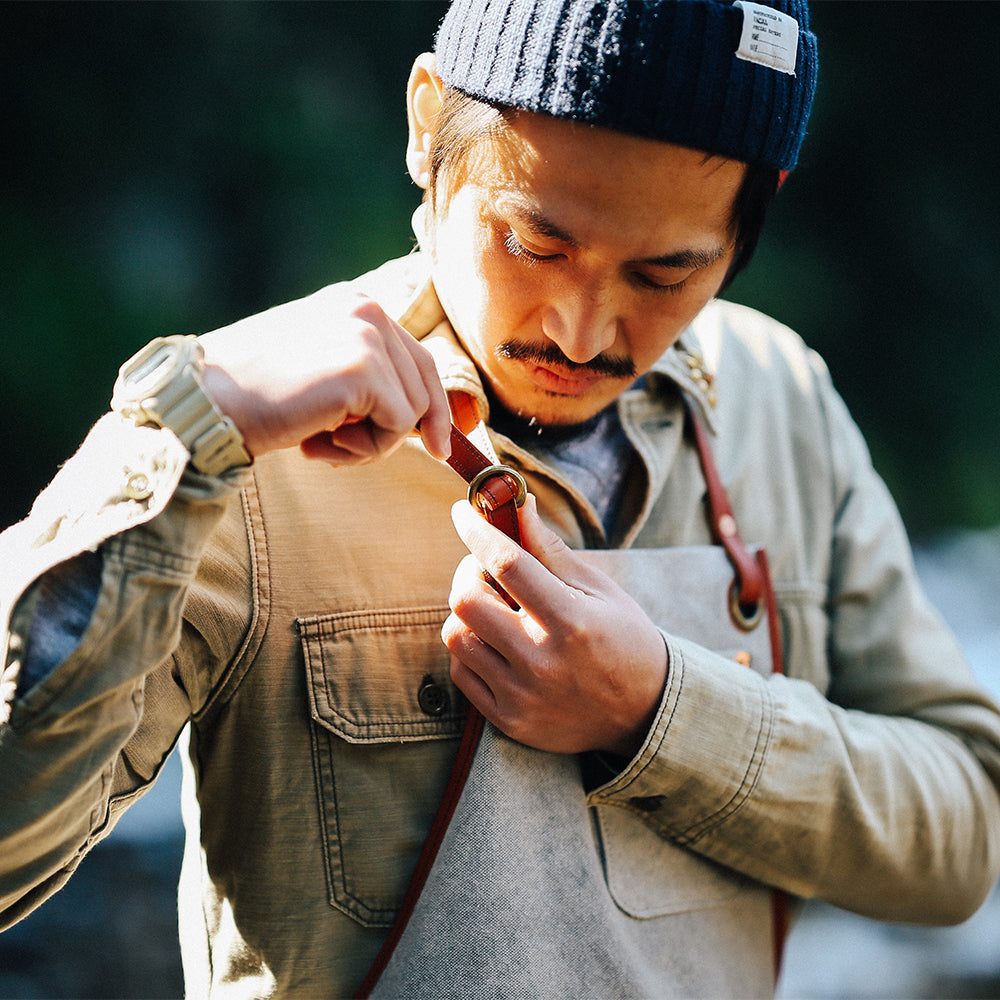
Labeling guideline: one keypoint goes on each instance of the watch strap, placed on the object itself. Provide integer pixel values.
(180, 403)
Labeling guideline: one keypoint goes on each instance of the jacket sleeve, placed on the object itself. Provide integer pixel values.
(88, 734)
(879, 794)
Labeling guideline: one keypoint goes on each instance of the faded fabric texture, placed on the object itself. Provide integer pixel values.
(290, 614)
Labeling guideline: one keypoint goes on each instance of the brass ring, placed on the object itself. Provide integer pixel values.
(498, 470)
(747, 622)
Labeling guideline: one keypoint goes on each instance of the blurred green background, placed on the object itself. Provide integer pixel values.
(172, 167)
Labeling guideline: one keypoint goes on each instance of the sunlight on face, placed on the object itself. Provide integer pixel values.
(572, 257)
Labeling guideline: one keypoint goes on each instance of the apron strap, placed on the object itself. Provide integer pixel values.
(749, 594)
(497, 491)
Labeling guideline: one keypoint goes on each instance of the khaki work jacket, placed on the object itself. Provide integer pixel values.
(287, 617)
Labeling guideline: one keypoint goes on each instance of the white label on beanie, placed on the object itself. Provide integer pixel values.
(769, 37)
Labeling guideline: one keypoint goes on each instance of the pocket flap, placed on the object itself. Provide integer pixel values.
(381, 676)
(648, 876)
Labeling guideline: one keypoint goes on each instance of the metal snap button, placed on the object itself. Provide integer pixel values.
(137, 486)
(432, 697)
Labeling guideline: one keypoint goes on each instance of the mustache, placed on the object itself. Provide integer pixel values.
(617, 366)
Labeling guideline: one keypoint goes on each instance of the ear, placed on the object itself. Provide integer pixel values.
(423, 101)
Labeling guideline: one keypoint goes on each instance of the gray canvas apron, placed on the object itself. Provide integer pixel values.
(535, 894)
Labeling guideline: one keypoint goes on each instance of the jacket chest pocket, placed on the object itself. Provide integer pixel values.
(386, 719)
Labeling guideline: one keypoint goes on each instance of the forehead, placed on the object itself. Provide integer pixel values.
(593, 182)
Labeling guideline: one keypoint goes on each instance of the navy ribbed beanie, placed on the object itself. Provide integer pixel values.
(735, 79)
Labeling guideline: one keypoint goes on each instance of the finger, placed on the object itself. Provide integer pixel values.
(435, 421)
(473, 663)
(554, 554)
(476, 654)
(539, 589)
(385, 398)
(366, 439)
(415, 372)
(477, 608)
(544, 544)
(356, 445)
(474, 688)
(388, 387)
(410, 397)
(320, 447)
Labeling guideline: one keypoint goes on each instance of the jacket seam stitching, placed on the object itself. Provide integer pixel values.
(241, 661)
(748, 783)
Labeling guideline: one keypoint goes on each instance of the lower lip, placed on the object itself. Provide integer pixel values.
(551, 382)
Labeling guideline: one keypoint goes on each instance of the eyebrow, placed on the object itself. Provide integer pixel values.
(541, 226)
(693, 259)
(689, 259)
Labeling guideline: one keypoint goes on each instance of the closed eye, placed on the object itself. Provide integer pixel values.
(519, 251)
(646, 281)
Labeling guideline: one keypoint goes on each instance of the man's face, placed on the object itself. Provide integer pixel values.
(573, 257)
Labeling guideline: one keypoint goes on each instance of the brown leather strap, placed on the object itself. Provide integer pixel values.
(750, 589)
(446, 808)
(498, 492)
(497, 496)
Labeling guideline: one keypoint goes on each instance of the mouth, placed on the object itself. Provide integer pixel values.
(552, 372)
(561, 382)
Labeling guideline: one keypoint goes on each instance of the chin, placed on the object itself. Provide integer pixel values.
(553, 410)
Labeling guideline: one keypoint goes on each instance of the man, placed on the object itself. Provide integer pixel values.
(254, 545)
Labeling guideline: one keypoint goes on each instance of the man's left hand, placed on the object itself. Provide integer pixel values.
(579, 667)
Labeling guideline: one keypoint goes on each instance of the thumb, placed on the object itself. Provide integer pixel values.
(540, 540)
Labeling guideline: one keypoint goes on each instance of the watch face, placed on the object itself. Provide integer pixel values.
(160, 386)
(151, 369)
(157, 364)
(145, 376)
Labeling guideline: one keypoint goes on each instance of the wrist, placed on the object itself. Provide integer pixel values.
(163, 386)
(631, 739)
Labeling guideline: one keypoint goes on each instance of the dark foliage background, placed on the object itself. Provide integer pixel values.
(171, 167)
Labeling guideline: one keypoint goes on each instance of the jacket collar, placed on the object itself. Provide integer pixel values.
(687, 364)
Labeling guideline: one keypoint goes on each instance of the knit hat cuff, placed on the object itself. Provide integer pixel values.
(690, 72)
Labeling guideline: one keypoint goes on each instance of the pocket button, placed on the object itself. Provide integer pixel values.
(647, 803)
(432, 698)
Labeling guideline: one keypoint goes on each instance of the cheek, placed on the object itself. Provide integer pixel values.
(457, 279)
(645, 346)
(507, 296)
(655, 328)
(475, 292)
(668, 316)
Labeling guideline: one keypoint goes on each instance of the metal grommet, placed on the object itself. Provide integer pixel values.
(498, 470)
(745, 620)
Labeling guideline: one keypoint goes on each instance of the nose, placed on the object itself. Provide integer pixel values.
(582, 324)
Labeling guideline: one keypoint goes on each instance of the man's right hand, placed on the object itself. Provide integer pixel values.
(331, 373)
